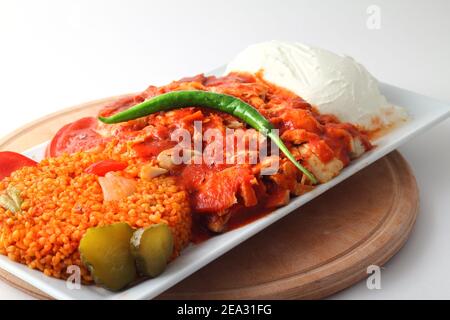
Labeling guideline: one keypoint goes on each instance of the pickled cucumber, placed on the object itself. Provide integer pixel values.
(152, 248)
(105, 251)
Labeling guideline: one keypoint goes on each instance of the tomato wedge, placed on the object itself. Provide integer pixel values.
(51, 150)
(73, 137)
(12, 161)
(101, 168)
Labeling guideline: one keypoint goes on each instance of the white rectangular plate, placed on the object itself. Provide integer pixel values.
(425, 112)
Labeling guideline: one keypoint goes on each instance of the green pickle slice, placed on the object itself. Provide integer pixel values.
(152, 248)
(105, 251)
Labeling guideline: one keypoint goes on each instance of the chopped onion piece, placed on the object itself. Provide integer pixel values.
(116, 187)
(149, 172)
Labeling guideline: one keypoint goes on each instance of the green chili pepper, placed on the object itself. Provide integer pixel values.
(221, 102)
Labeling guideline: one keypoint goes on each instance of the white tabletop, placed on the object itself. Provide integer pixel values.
(54, 54)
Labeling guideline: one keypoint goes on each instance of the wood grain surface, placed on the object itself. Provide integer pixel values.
(321, 248)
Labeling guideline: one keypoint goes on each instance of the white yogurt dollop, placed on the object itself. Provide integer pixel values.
(332, 83)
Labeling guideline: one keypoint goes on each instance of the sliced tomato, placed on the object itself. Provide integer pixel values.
(12, 161)
(51, 150)
(101, 168)
(73, 137)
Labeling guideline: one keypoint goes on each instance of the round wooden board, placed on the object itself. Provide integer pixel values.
(322, 248)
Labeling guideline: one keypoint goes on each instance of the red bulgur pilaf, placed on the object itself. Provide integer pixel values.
(60, 202)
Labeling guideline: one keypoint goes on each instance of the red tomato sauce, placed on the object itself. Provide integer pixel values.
(233, 191)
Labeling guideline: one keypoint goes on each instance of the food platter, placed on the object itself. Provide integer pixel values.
(320, 249)
(323, 266)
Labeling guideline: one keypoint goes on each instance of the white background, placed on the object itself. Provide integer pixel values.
(54, 54)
